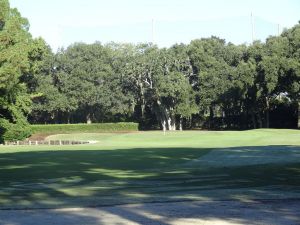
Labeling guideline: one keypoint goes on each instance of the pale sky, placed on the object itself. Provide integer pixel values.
(63, 22)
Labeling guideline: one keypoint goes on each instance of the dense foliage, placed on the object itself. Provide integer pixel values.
(208, 83)
(15, 46)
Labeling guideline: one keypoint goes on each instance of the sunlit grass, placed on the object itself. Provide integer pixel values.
(151, 166)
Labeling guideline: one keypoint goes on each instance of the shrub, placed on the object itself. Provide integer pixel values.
(84, 128)
(14, 131)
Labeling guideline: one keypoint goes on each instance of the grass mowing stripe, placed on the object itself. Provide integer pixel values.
(148, 165)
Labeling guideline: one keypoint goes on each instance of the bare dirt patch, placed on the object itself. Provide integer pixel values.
(38, 137)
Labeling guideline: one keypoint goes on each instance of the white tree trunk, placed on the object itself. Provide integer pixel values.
(173, 124)
(167, 120)
(88, 119)
(171, 121)
(180, 123)
(267, 113)
(163, 123)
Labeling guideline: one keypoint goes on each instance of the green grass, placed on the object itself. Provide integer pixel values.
(150, 166)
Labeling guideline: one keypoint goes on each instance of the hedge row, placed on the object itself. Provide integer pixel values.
(84, 128)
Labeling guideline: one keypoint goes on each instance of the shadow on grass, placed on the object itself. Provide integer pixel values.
(80, 178)
(216, 212)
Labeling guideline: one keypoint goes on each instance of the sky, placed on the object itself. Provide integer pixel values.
(165, 22)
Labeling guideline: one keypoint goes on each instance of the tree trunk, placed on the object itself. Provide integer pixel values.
(180, 123)
(163, 124)
(267, 118)
(298, 115)
(163, 114)
(142, 109)
(267, 113)
(171, 119)
(211, 116)
(88, 118)
(173, 123)
(142, 99)
(253, 120)
(68, 117)
(259, 121)
(169, 122)
(52, 116)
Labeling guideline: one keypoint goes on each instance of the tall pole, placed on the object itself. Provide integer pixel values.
(278, 29)
(252, 25)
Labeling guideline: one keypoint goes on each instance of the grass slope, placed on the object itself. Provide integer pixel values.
(150, 166)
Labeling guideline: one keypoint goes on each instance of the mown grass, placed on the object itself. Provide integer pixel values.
(192, 138)
(150, 166)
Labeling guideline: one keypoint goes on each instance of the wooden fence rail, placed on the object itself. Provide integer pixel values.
(52, 142)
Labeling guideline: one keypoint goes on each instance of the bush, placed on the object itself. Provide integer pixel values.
(14, 131)
(84, 128)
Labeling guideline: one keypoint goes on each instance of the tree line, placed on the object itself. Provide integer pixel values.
(207, 83)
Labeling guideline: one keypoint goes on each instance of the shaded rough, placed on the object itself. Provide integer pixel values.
(284, 212)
